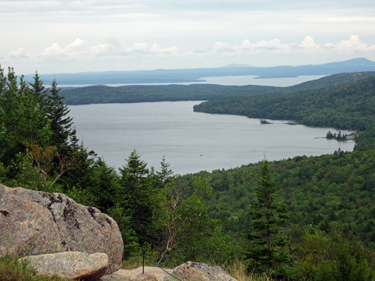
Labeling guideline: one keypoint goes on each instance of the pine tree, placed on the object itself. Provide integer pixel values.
(269, 243)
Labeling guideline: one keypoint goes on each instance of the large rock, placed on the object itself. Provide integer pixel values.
(70, 265)
(36, 222)
(199, 272)
(150, 274)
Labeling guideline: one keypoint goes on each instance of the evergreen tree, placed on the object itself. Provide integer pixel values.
(165, 174)
(139, 195)
(39, 91)
(105, 187)
(268, 252)
(61, 123)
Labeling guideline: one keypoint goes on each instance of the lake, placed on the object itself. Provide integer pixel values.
(192, 141)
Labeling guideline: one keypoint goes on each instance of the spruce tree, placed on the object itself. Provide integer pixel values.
(61, 123)
(139, 191)
(269, 242)
(39, 91)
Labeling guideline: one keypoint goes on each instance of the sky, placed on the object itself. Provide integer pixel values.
(67, 36)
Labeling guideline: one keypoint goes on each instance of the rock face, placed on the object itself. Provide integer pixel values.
(36, 222)
(199, 272)
(151, 274)
(70, 265)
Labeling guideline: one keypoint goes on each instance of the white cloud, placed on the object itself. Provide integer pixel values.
(76, 44)
(354, 45)
(56, 50)
(103, 49)
(156, 49)
(274, 45)
(19, 53)
(53, 50)
(137, 47)
(309, 43)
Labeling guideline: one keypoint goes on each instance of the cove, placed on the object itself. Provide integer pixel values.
(191, 141)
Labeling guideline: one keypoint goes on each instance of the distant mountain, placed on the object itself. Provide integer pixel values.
(196, 74)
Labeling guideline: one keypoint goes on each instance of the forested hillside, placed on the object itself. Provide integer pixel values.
(348, 106)
(320, 191)
(306, 218)
(129, 94)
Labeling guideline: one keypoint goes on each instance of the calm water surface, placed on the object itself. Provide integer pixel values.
(192, 141)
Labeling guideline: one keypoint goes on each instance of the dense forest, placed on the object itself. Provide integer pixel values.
(306, 218)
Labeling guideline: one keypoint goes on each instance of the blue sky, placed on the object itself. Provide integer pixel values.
(74, 36)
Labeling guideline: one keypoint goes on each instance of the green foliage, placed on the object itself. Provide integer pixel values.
(131, 244)
(138, 191)
(332, 256)
(28, 176)
(105, 187)
(61, 123)
(318, 190)
(269, 243)
(182, 220)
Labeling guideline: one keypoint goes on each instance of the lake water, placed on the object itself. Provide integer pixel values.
(192, 141)
(231, 81)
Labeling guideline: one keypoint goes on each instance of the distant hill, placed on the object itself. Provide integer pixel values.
(196, 74)
(332, 80)
(346, 106)
(148, 93)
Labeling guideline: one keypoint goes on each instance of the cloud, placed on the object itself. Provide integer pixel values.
(103, 49)
(80, 51)
(354, 45)
(309, 43)
(53, 50)
(56, 50)
(19, 53)
(138, 48)
(156, 49)
(76, 44)
(274, 45)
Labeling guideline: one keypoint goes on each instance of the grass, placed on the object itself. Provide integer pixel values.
(11, 269)
(238, 271)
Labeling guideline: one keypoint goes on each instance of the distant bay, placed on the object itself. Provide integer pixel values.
(230, 81)
(192, 141)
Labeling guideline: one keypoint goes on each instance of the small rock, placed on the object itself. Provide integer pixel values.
(70, 265)
(151, 274)
(199, 272)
